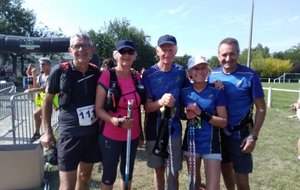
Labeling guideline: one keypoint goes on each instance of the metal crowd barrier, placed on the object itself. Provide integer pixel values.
(22, 121)
(7, 89)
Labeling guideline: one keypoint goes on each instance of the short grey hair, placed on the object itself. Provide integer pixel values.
(230, 41)
(83, 36)
(45, 59)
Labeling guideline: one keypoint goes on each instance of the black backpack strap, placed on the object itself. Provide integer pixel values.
(113, 77)
(133, 75)
(66, 91)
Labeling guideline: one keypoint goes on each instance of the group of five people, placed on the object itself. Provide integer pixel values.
(196, 95)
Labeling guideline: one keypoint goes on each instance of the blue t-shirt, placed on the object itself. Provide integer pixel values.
(207, 137)
(157, 83)
(241, 88)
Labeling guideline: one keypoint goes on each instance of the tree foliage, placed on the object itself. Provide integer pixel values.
(15, 20)
(107, 36)
(214, 62)
(182, 60)
(271, 67)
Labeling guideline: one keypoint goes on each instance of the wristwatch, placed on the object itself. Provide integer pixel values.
(252, 138)
(120, 122)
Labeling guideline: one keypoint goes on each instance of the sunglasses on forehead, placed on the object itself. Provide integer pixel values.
(128, 51)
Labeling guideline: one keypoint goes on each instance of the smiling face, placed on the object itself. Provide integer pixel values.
(166, 53)
(199, 72)
(125, 57)
(228, 57)
(81, 50)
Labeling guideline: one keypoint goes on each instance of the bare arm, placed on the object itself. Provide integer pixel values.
(248, 144)
(259, 115)
(47, 113)
(99, 106)
(220, 120)
(166, 100)
(35, 78)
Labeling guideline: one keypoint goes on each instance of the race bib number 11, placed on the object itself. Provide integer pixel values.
(86, 115)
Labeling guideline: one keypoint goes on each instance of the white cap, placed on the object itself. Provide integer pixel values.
(195, 60)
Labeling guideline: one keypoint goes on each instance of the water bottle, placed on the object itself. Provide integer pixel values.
(50, 154)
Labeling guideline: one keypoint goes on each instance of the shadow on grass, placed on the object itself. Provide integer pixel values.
(141, 154)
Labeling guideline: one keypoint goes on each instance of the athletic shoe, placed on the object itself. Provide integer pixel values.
(35, 137)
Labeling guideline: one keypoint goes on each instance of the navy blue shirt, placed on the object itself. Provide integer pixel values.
(157, 83)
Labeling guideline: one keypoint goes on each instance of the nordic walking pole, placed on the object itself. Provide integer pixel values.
(192, 155)
(129, 115)
(170, 164)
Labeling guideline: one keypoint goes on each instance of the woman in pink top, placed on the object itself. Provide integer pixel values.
(115, 124)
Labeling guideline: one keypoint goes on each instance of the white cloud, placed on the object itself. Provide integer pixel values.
(174, 11)
(233, 19)
(294, 19)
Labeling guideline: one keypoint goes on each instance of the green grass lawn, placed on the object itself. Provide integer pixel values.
(275, 164)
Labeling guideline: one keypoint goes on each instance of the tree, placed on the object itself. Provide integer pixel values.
(18, 21)
(214, 62)
(182, 60)
(292, 54)
(257, 53)
(15, 20)
(107, 36)
(271, 67)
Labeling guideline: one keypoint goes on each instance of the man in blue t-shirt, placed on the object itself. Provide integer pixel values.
(242, 89)
(163, 82)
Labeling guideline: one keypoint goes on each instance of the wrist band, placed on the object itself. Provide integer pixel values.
(205, 115)
(252, 138)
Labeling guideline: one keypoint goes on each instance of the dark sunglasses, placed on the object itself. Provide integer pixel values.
(128, 51)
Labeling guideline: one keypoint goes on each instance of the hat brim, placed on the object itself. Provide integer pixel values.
(166, 42)
(124, 46)
(198, 64)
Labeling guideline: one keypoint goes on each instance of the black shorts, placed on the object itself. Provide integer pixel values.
(231, 152)
(114, 151)
(71, 151)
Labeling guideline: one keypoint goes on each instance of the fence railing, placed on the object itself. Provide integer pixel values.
(7, 89)
(20, 127)
(270, 89)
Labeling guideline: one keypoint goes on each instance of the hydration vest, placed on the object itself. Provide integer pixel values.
(67, 82)
(114, 92)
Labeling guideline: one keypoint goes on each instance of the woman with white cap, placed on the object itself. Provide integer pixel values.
(206, 107)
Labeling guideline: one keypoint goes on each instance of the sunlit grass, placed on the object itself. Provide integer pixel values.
(275, 164)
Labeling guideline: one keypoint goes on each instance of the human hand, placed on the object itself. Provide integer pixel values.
(219, 85)
(47, 139)
(295, 106)
(29, 70)
(127, 123)
(167, 100)
(192, 110)
(34, 72)
(248, 145)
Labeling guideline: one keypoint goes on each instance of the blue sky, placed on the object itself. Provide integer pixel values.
(198, 25)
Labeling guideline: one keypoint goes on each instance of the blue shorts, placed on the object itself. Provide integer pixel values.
(212, 156)
(112, 152)
(231, 152)
(71, 151)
